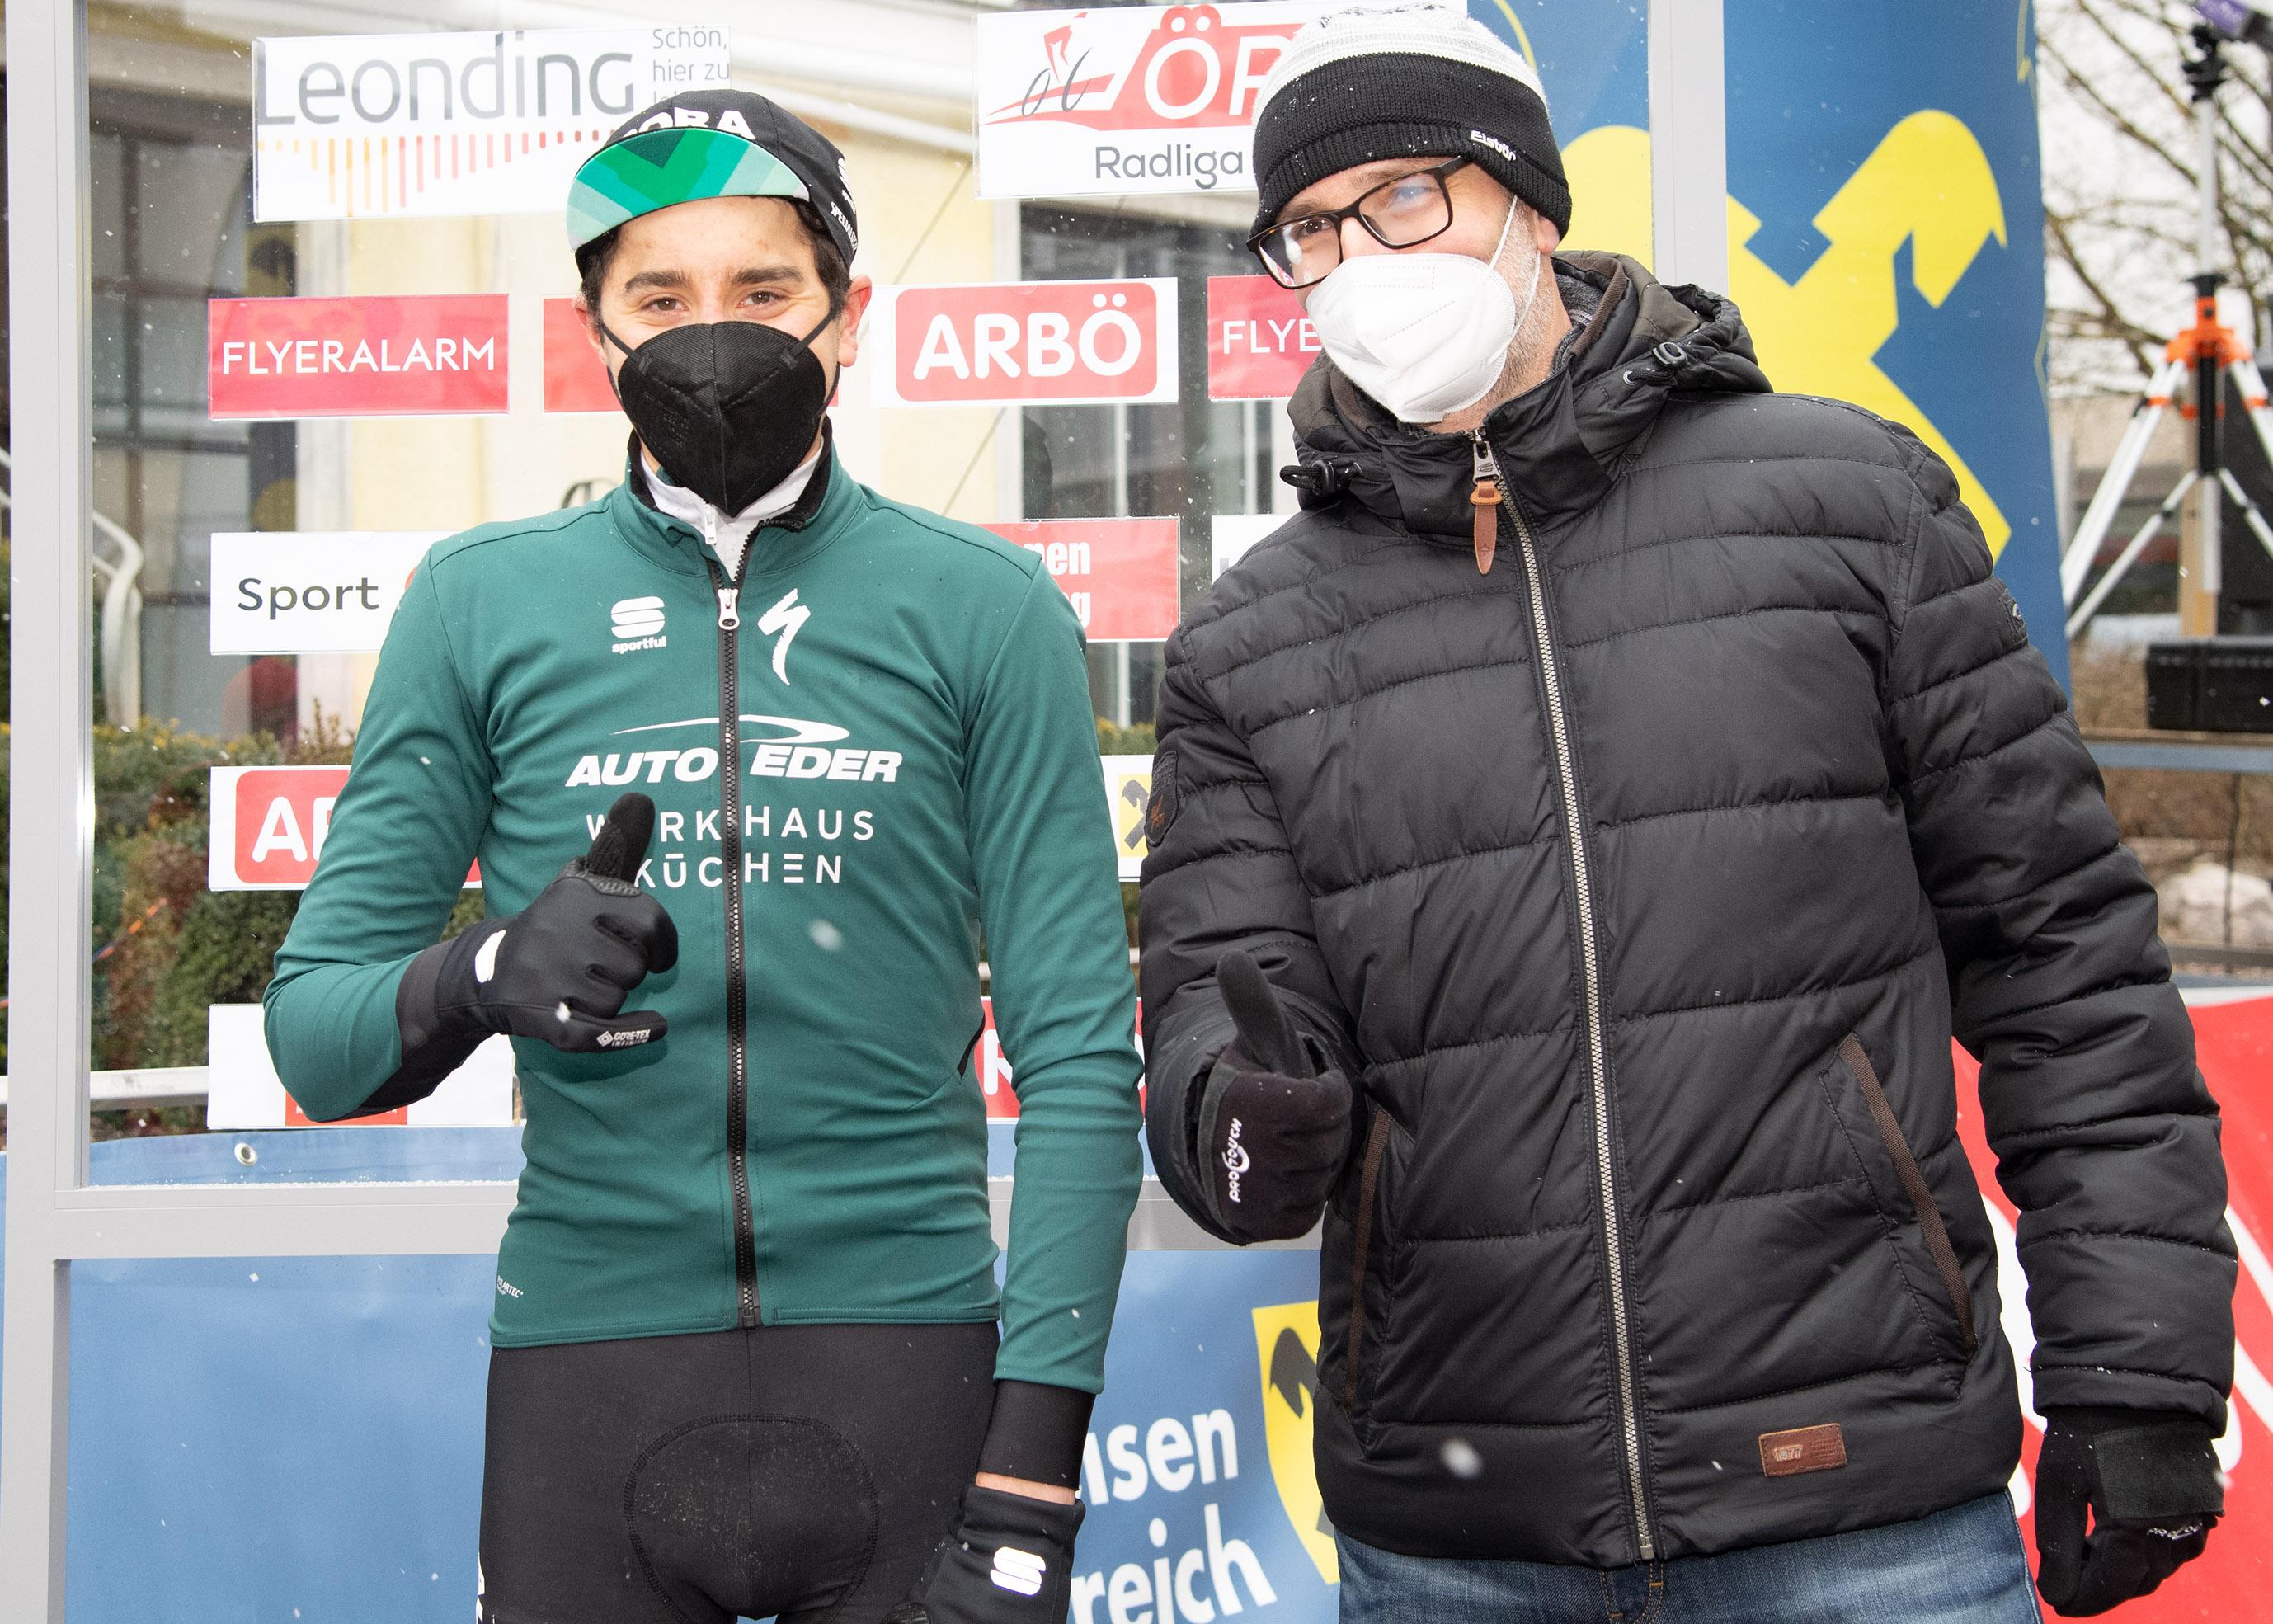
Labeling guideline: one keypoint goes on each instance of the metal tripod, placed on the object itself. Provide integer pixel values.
(2208, 353)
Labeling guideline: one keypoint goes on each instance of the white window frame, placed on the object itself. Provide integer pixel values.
(54, 1217)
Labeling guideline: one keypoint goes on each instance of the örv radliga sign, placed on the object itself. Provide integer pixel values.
(1137, 98)
(493, 123)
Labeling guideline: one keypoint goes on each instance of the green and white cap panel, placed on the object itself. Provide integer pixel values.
(657, 168)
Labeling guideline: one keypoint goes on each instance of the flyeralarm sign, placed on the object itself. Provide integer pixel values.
(1259, 342)
(1121, 574)
(1127, 99)
(409, 354)
(1010, 344)
(493, 123)
(310, 591)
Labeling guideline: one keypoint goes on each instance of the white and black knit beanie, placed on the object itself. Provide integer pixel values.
(1394, 81)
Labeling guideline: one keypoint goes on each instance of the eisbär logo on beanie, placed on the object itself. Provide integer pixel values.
(1375, 82)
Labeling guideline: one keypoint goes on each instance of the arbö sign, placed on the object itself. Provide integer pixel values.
(1137, 98)
(490, 123)
(268, 825)
(1024, 343)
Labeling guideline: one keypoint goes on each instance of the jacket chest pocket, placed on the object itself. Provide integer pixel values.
(1916, 1230)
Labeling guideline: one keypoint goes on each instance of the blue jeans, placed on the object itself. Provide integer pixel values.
(1963, 1566)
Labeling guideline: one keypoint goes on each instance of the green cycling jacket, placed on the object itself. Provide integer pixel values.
(874, 744)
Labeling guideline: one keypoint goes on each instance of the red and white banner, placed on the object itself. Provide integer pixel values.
(574, 377)
(407, 355)
(243, 1090)
(1135, 99)
(1024, 343)
(1259, 342)
(268, 825)
(493, 121)
(992, 1072)
(1120, 574)
(2233, 1039)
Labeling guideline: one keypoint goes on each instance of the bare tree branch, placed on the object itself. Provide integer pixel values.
(2120, 232)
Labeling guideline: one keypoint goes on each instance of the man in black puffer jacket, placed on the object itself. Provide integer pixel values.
(1575, 841)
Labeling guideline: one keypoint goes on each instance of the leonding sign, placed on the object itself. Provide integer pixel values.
(453, 124)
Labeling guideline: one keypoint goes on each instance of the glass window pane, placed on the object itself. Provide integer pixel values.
(190, 213)
(113, 357)
(106, 191)
(170, 340)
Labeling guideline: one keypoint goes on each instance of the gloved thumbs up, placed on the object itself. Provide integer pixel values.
(561, 969)
(1274, 1128)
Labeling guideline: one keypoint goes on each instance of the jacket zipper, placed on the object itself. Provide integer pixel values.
(1488, 477)
(738, 1014)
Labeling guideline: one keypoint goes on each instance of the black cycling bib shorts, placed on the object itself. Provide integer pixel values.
(801, 1472)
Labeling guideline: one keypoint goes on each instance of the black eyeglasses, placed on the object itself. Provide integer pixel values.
(1402, 212)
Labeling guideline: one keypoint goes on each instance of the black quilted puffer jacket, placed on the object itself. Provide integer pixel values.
(1640, 885)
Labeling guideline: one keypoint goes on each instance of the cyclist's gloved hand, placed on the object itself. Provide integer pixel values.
(1009, 1561)
(1274, 1128)
(2150, 1481)
(561, 969)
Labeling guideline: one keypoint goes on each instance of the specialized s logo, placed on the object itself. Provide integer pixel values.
(787, 617)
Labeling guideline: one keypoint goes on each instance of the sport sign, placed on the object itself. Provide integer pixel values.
(268, 825)
(1011, 343)
(1120, 574)
(310, 591)
(493, 123)
(1134, 99)
(1259, 342)
(407, 355)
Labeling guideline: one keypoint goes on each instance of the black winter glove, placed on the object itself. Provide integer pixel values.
(1009, 1561)
(2151, 1479)
(1274, 1128)
(560, 969)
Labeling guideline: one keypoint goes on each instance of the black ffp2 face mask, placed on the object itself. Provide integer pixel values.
(728, 408)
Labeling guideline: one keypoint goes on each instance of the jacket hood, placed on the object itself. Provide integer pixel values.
(1559, 443)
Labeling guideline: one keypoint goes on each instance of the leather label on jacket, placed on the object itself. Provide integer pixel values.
(1802, 1449)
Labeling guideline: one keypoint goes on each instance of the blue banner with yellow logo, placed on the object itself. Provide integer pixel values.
(1885, 204)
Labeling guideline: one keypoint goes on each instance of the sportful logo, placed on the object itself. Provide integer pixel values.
(637, 623)
(1017, 1570)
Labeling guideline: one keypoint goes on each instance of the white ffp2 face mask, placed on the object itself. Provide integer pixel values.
(1424, 334)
